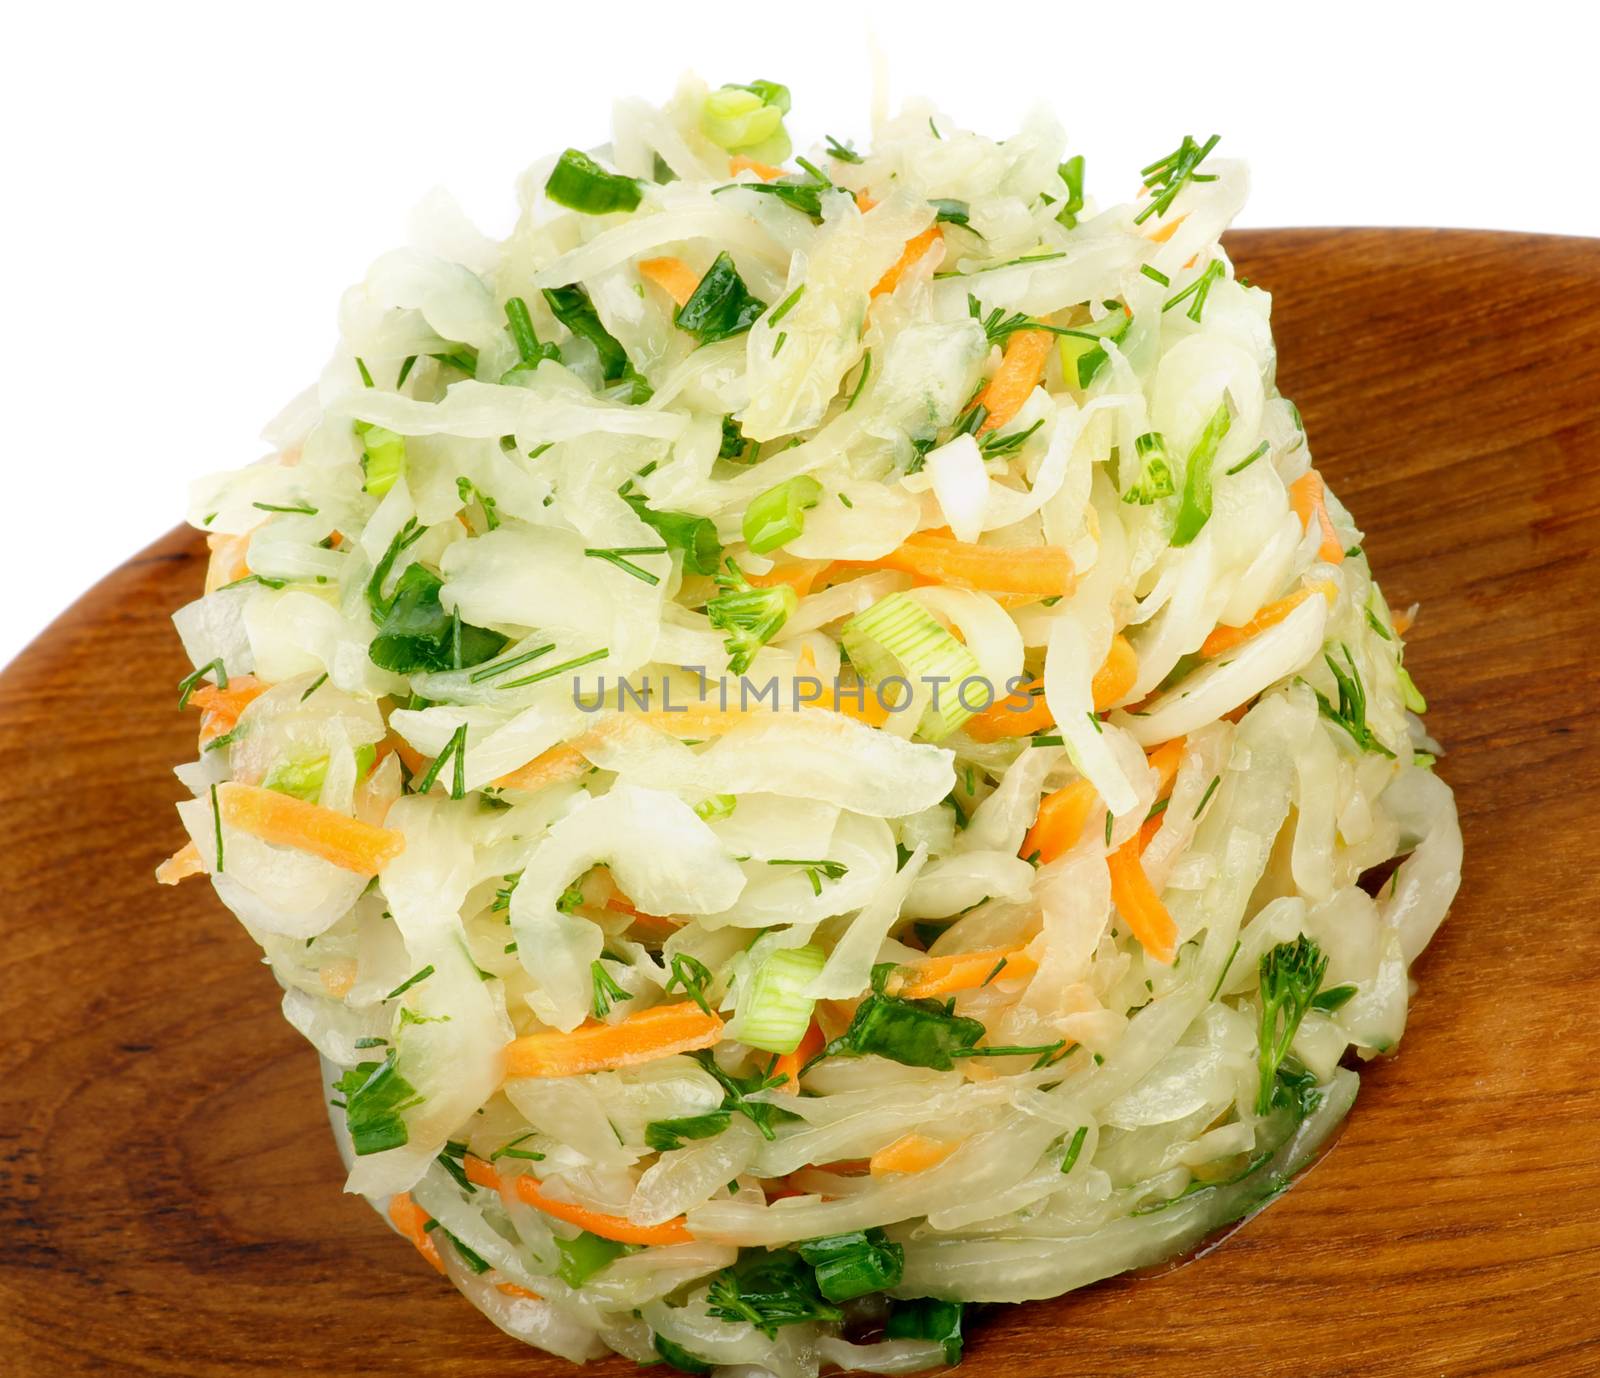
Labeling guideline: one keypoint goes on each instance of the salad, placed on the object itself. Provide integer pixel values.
(806, 742)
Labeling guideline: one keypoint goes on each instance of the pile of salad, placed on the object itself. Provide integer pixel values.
(806, 742)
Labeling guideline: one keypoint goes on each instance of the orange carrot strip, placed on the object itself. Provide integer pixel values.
(1025, 712)
(642, 1037)
(227, 561)
(1062, 815)
(221, 708)
(1166, 232)
(285, 821)
(1403, 621)
(672, 275)
(1224, 638)
(912, 254)
(1147, 831)
(799, 575)
(765, 171)
(1166, 759)
(510, 1289)
(410, 1219)
(963, 971)
(530, 1190)
(1139, 905)
(1021, 368)
(911, 1153)
(1307, 497)
(788, 1065)
(1042, 570)
(182, 864)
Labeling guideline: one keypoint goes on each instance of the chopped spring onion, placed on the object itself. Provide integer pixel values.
(749, 120)
(1082, 354)
(778, 515)
(1155, 471)
(1195, 510)
(925, 1318)
(581, 184)
(383, 458)
(853, 1264)
(899, 638)
(773, 1014)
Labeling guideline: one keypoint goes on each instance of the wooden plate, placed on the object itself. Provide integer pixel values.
(169, 1193)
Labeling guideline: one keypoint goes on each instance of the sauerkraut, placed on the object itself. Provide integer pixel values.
(806, 742)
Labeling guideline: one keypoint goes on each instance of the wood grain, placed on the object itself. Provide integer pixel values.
(169, 1194)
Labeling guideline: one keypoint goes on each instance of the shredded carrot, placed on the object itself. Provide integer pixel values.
(182, 864)
(1062, 815)
(672, 275)
(1226, 638)
(1021, 368)
(911, 255)
(962, 971)
(1044, 571)
(1166, 759)
(530, 1190)
(1025, 712)
(338, 977)
(642, 1037)
(227, 562)
(911, 1153)
(788, 1065)
(1139, 905)
(1148, 829)
(289, 822)
(222, 708)
(411, 1220)
(1166, 232)
(510, 1289)
(1307, 495)
(765, 171)
(1403, 621)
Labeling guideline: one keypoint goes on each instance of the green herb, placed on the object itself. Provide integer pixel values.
(501, 666)
(716, 806)
(1194, 510)
(733, 445)
(302, 509)
(1071, 173)
(784, 307)
(572, 307)
(924, 1318)
(1351, 714)
(666, 1135)
(1249, 459)
(1172, 172)
(616, 555)
(529, 347)
(948, 211)
(721, 305)
(190, 682)
(1199, 289)
(1109, 821)
(410, 981)
(1206, 797)
(769, 1289)
(316, 684)
(455, 749)
(216, 823)
(750, 616)
(737, 1091)
(816, 870)
(1376, 623)
(915, 1033)
(416, 634)
(1222, 975)
(1155, 275)
(463, 357)
(994, 445)
(451, 1160)
(376, 1098)
(693, 975)
(581, 184)
(550, 672)
(1290, 976)
(853, 1264)
(803, 194)
(861, 381)
(1083, 348)
(1074, 1149)
(509, 1149)
(606, 990)
(1334, 998)
(406, 536)
(843, 152)
(405, 371)
(371, 1042)
(695, 537)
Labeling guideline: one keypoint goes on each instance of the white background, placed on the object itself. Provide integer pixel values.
(193, 186)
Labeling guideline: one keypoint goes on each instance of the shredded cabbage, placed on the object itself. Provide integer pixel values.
(478, 777)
